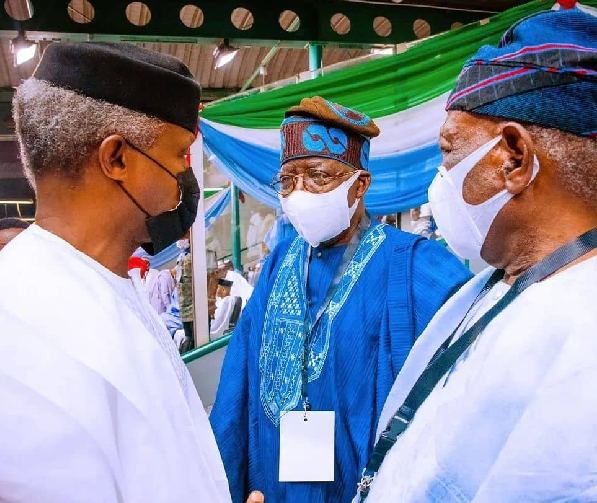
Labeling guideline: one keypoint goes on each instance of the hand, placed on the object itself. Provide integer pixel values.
(211, 307)
(256, 497)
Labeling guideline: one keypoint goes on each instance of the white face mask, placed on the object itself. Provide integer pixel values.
(183, 244)
(465, 226)
(320, 217)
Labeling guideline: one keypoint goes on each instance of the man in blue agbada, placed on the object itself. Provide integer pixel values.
(330, 323)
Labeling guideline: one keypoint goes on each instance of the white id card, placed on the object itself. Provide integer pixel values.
(307, 447)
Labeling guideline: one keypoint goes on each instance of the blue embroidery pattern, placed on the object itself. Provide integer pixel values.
(365, 154)
(349, 115)
(293, 119)
(282, 145)
(283, 335)
(316, 138)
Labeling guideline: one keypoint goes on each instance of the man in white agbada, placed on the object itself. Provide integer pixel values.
(225, 306)
(514, 419)
(97, 406)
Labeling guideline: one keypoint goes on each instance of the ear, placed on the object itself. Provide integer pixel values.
(362, 184)
(112, 159)
(519, 150)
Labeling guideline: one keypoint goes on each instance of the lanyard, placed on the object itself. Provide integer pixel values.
(309, 325)
(447, 355)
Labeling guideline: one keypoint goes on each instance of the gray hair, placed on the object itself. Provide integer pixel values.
(575, 158)
(58, 129)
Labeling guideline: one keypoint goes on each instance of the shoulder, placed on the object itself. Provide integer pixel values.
(279, 253)
(398, 238)
(272, 265)
(282, 248)
(43, 277)
(430, 251)
(430, 262)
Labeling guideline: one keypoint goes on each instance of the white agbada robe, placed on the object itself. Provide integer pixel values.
(221, 321)
(96, 404)
(516, 419)
(240, 286)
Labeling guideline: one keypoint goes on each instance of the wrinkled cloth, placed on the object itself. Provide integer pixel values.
(97, 405)
(514, 421)
(390, 290)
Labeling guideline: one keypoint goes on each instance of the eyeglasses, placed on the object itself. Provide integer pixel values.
(314, 180)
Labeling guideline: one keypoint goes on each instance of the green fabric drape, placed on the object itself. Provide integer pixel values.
(380, 87)
(210, 192)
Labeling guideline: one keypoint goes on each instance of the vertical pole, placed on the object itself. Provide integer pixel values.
(315, 57)
(201, 324)
(235, 227)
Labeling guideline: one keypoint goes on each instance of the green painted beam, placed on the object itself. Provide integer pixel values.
(216, 93)
(315, 57)
(235, 227)
(51, 16)
(206, 349)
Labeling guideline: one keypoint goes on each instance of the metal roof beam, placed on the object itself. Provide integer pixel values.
(110, 22)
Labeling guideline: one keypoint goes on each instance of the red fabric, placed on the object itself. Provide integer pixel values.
(567, 4)
(139, 263)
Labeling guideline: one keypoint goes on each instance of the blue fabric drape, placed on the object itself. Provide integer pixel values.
(400, 181)
(215, 211)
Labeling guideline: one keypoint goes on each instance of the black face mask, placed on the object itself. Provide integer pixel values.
(170, 226)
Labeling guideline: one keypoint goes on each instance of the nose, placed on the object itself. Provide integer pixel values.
(298, 185)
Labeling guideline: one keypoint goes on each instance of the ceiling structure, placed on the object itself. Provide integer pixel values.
(271, 37)
(191, 29)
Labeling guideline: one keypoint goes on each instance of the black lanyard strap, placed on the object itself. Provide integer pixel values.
(445, 358)
(309, 325)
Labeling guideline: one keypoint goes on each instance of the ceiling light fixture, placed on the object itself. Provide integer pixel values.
(224, 53)
(22, 49)
(16, 201)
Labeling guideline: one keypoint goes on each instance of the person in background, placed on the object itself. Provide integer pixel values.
(10, 228)
(391, 220)
(184, 267)
(160, 285)
(253, 240)
(224, 289)
(225, 307)
(282, 230)
(255, 270)
(421, 221)
(97, 405)
(240, 286)
(366, 292)
(496, 401)
(171, 316)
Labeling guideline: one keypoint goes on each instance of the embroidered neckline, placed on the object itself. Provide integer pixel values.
(283, 329)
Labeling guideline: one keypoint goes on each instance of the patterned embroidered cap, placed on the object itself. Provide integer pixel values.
(544, 71)
(320, 128)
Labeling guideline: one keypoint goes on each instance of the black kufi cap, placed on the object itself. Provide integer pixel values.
(126, 75)
(225, 282)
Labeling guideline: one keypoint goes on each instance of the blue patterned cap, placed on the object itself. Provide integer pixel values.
(544, 71)
(320, 128)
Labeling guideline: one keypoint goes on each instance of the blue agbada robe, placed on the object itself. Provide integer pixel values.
(398, 282)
